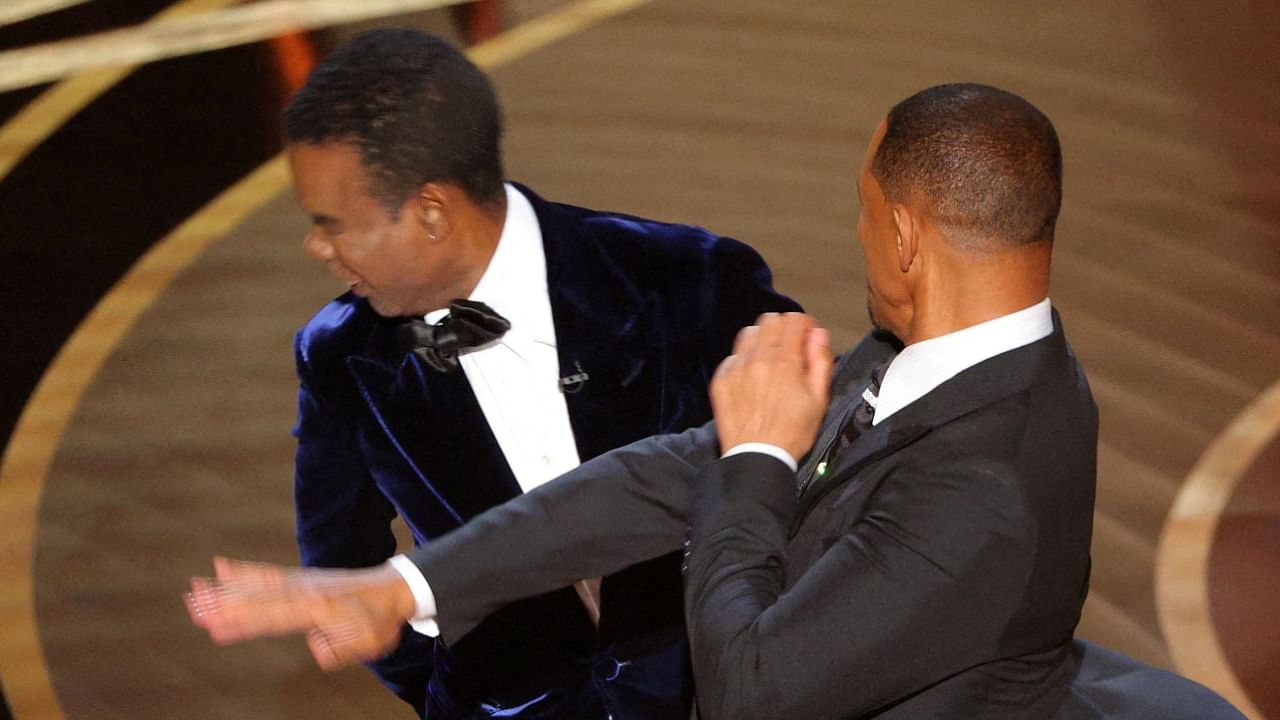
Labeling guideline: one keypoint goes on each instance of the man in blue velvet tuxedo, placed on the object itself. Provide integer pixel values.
(588, 330)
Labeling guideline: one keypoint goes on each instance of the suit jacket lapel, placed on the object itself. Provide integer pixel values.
(606, 332)
(850, 377)
(974, 388)
(434, 424)
(877, 442)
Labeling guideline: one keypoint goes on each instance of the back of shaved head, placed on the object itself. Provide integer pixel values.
(982, 163)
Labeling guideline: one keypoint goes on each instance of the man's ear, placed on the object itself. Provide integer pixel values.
(908, 240)
(431, 206)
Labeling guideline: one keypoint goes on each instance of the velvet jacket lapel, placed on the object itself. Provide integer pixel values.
(434, 424)
(983, 384)
(604, 330)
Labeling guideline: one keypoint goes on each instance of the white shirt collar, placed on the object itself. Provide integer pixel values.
(925, 365)
(515, 282)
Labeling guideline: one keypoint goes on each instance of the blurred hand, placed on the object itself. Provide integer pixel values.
(774, 388)
(349, 616)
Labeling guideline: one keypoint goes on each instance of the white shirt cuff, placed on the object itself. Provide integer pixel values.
(771, 450)
(424, 617)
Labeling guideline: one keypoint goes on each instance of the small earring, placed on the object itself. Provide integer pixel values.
(431, 235)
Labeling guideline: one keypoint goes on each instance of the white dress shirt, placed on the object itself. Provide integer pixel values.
(515, 378)
(925, 365)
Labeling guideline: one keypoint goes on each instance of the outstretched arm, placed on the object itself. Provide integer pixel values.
(616, 510)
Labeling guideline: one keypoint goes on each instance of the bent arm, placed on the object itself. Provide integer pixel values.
(911, 592)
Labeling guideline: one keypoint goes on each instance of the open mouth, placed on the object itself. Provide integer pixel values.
(354, 283)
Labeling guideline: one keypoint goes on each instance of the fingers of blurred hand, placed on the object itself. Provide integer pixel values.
(349, 637)
(232, 612)
(248, 574)
(349, 616)
(330, 581)
(322, 650)
(745, 340)
(743, 345)
(794, 333)
(336, 648)
(721, 375)
(200, 601)
(770, 331)
(818, 361)
(776, 389)
(782, 338)
(208, 608)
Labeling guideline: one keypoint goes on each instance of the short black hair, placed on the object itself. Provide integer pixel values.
(413, 105)
(983, 163)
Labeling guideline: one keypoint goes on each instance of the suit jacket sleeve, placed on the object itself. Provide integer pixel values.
(343, 519)
(618, 509)
(905, 595)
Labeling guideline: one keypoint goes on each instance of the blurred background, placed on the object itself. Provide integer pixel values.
(151, 279)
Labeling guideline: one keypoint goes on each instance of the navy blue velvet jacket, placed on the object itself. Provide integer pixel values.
(647, 310)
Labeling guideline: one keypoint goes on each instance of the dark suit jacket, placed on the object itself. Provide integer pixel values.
(936, 571)
(647, 310)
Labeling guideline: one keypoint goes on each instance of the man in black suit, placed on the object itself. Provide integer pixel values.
(917, 547)
(611, 328)
(930, 556)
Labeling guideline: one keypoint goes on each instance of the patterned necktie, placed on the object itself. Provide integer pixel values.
(469, 324)
(866, 410)
(857, 423)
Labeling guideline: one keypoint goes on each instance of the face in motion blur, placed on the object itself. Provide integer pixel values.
(393, 261)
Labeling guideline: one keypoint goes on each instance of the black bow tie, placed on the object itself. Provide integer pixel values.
(469, 324)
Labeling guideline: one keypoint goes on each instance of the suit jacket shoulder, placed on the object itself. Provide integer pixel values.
(654, 256)
(339, 329)
(685, 286)
(641, 243)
